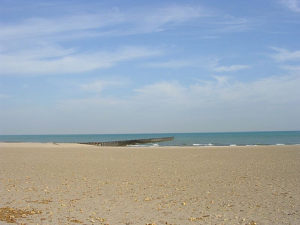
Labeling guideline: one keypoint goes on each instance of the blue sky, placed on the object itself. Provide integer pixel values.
(149, 66)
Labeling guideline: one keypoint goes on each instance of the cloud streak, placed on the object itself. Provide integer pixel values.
(223, 91)
(119, 22)
(66, 61)
(232, 68)
(172, 64)
(38, 27)
(36, 45)
(293, 5)
(102, 23)
(217, 92)
(212, 105)
(98, 86)
(283, 55)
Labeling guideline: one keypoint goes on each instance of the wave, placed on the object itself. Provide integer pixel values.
(154, 145)
(209, 144)
(137, 146)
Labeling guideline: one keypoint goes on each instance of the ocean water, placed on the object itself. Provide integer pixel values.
(180, 139)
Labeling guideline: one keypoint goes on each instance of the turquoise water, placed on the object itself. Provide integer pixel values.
(180, 139)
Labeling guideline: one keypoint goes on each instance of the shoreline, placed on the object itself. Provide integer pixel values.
(180, 139)
(151, 146)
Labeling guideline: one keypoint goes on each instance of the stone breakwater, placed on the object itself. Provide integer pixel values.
(129, 142)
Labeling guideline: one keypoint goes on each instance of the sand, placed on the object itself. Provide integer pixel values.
(81, 184)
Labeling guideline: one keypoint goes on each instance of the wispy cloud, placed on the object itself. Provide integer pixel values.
(220, 90)
(35, 45)
(120, 22)
(291, 68)
(41, 27)
(283, 55)
(208, 63)
(293, 5)
(98, 86)
(102, 23)
(231, 68)
(224, 91)
(64, 61)
(168, 16)
(230, 24)
(168, 90)
(172, 64)
(156, 107)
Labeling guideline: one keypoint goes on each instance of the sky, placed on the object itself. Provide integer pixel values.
(120, 66)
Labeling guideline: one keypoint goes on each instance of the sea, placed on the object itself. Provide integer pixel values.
(180, 139)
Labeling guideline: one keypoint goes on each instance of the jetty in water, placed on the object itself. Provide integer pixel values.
(129, 142)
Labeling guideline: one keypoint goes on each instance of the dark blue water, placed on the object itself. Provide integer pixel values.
(180, 139)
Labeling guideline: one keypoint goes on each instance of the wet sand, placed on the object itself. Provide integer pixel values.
(81, 184)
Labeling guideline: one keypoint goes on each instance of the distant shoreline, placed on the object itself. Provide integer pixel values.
(140, 146)
(180, 139)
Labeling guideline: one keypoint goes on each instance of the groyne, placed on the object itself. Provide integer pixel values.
(129, 142)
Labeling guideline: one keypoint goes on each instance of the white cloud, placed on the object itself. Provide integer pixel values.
(293, 5)
(220, 90)
(39, 52)
(231, 68)
(34, 46)
(100, 85)
(283, 55)
(176, 14)
(208, 63)
(173, 64)
(291, 68)
(221, 80)
(168, 90)
(230, 24)
(221, 104)
(224, 91)
(64, 61)
(119, 22)
(102, 23)
(39, 27)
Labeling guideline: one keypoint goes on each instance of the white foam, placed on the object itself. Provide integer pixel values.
(137, 145)
(209, 144)
(155, 145)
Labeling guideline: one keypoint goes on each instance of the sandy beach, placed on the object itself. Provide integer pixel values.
(80, 184)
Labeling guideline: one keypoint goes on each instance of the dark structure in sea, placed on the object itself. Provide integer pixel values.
(130, 142)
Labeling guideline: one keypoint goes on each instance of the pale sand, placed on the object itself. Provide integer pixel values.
(73, 184)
